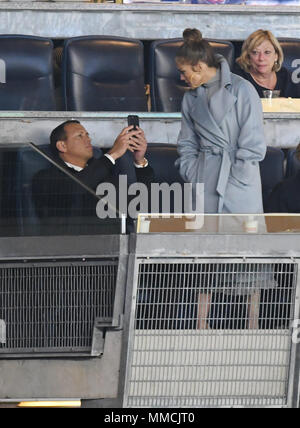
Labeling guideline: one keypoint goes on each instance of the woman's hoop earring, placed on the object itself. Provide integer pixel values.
(192, 78)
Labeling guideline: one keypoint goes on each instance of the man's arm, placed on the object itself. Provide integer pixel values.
(100, 170)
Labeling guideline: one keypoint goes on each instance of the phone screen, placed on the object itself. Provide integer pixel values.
(133, 120)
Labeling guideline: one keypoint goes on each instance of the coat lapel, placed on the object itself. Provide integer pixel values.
(220, 104)
(204, 119)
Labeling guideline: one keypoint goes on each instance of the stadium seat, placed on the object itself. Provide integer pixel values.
(271, 171)
(28, 164)
(293, 164)
(166, 87)
(26, 73)
(102, 73)
(162, 157)
(291, 51)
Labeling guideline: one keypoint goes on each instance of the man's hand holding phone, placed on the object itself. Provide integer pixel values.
(138, 142)
(122, 143)
(131, 138)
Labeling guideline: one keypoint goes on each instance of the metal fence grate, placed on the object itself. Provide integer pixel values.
(46, 308)
(210, 334)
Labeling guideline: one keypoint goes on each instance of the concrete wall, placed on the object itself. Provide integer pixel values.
(281, 129)
(145, 21)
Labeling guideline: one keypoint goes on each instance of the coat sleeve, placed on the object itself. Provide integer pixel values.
(251, 146)
(188, 142)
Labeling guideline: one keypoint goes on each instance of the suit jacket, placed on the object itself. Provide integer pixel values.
(221, 145)
(61, 202)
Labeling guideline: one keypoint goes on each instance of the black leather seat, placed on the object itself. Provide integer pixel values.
(167, 89)
(26, 73)
(28, 164)
(293, 164)
(102, 73)
(291, 51)
(271, 171)
(163, 156)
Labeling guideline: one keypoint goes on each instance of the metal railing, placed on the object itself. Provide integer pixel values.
(212, 331)
(52, 307)
(61, 308)
(172, 320)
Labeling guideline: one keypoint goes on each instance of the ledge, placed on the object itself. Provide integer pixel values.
(150, 7)
(46, 115)
(145, 21)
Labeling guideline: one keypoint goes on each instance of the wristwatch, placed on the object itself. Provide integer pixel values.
(143, 165)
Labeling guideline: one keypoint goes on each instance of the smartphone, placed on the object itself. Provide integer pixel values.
(133, 119)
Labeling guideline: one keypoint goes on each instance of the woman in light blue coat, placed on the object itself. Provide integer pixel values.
(221, 140)
(220, 144)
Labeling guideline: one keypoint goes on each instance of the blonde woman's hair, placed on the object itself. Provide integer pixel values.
(255, 39)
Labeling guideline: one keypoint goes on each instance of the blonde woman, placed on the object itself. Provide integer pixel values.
(261, 64)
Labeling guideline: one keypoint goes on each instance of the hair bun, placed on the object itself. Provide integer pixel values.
(192, 35)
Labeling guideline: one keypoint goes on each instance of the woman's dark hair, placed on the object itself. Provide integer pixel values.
(195, 49)
(58, 134)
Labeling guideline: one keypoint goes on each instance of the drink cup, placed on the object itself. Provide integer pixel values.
(268, 93)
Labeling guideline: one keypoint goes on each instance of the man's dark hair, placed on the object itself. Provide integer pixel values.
(58, 134)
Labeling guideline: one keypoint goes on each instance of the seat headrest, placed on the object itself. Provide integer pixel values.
(26, 57)
(291, 50)
(103, 59)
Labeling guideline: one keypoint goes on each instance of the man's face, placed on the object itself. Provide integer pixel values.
(77, 144)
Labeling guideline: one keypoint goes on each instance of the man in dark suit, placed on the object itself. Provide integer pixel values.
(60, 201)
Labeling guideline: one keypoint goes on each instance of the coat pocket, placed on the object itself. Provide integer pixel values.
(243, 172)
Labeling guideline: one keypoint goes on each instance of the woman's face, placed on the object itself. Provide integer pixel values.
(262, 58)
(193, 75)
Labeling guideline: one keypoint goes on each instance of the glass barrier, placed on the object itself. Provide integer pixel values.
(41, 197)
(222, 2)
(219, 223)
